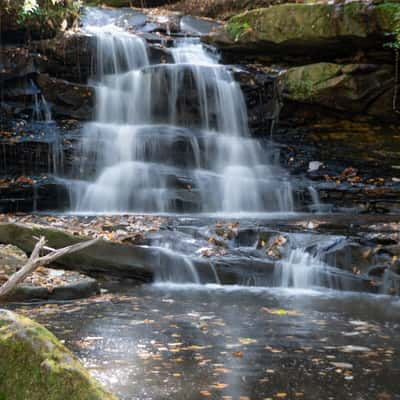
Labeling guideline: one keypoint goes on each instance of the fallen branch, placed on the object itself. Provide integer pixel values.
(35, 261)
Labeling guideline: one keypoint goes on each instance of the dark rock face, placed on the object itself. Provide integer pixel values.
(69, 100)
(66, 56)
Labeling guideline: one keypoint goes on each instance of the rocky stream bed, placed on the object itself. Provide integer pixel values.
(281, 283)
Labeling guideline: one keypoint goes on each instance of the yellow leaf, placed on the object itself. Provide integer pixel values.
(247, 341)
(219, 385)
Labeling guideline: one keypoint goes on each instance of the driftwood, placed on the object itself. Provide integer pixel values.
(35, 261)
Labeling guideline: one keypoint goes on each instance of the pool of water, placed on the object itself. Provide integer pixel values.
(216, 342)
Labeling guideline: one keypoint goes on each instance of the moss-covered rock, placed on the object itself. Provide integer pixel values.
(307, 81)
(34, 365)
(351, 88)
(312, 22)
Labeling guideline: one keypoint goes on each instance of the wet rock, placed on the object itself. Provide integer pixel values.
(391, 282)
(50, 371)
(198, 26)
(263, 96)
(67, 56)
(41, 194)
(67, 99)
(15, 62)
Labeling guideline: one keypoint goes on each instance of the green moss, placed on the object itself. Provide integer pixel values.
(34, 365)
(305, 82)
(237, 29)
(313, 22)
(389, 19)
(301, 90)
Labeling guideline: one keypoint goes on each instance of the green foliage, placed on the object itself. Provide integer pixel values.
(51, 12)
(301, 90)
(393, 9)
(236, 29)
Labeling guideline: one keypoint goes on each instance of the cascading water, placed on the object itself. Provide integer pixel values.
(171, 137)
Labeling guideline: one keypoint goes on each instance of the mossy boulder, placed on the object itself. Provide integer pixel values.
(296, 32)
(34, 365)
(312, 22)
(352, 88)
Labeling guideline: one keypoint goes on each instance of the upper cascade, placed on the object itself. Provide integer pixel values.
(171, 137)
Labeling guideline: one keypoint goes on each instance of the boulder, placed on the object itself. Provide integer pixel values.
(35, 365)
(311, 30)
(351, 88)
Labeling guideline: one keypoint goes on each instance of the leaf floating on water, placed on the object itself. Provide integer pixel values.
(281, 311)
(196, 347)
(351, 349)
(281, 395)
(247, 341)
(222, 370)
(219, 385)
(342, 365)
(205, 393)
(238, 354)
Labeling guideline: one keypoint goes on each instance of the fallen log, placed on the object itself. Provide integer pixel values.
(35, 261)
(103, 257)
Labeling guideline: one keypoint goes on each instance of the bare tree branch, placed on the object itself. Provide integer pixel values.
(35, 261)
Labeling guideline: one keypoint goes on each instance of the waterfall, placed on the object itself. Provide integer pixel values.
(316, 202)
(171, 137)
(41, 109)
(42, 116)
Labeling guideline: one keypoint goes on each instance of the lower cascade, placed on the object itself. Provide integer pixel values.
(171, 137)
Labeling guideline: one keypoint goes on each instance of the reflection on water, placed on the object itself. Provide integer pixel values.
(198, 342)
